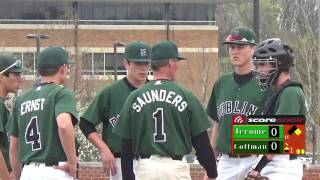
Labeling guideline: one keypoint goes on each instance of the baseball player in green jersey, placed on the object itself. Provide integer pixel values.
(273, 60)
(235, 93)
(42, 126)
(10, 81)
(106, 106)
(160, 123)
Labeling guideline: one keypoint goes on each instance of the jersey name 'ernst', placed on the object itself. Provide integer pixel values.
(32, 105)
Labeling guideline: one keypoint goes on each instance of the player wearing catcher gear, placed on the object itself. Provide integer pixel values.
(235, 93)
(106, 106)
(10, 81)
(272, 60)
(160, 123)
(41, 130)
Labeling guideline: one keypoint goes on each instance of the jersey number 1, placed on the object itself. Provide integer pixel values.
(32, 134)
(159, 135)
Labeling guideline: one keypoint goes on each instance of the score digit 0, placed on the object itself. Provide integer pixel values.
(274, 146)
(274, 131)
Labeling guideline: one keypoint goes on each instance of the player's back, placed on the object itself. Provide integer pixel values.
(35, 114)
(164, 116)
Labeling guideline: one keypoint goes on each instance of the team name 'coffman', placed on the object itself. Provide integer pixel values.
(32, 105)
(159, 96)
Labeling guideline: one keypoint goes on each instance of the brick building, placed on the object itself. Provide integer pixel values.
(91, 32)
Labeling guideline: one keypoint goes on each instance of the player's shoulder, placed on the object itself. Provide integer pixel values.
(169, 84)
(64, 89)
(179, 88)
(224, 80)
(2, 105)
(53, 89)
(292, 91)
(24, 94)
(225, 77)
(1, 101)
(114, 86)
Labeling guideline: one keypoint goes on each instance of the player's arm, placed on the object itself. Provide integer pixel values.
(213, 115)
(205, 154)
(4, 173)
(89, 130)
(259, 164)
(14, 157)
(66, 134)
(127, 160)
(214, 136)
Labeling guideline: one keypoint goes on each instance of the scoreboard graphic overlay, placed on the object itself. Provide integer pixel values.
(281, 134)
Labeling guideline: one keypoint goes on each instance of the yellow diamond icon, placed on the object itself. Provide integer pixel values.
(298, 132)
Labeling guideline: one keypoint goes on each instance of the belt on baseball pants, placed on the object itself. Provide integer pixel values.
(293, 157)
(238, 155)
(147, 156)
(53, 163)
(117, 154)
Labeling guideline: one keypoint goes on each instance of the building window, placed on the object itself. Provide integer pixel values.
(102, 64)
(88, 10)
(28, 61)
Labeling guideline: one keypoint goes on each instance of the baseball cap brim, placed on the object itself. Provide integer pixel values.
(238, 42)
(20, 70)
(181, 58)
(140, 60)
(71, 61)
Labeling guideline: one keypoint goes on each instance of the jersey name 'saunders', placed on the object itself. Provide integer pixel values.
(32, 105)
(236, 107)
(159, 96)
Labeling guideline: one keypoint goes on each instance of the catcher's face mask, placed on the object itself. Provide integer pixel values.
(265, 70)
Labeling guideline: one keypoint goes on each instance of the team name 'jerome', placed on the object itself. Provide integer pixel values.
(160, 96)
(32, 105)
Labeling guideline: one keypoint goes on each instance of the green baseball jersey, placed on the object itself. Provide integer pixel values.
(34, 122)
(4, 140)
(291, 101)
(106, 107)
(229, 98)
(160, 119)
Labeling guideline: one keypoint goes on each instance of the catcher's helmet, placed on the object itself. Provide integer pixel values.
(277, 54)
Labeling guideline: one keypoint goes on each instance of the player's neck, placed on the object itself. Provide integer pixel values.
(160, 75)
(245, 69)
(165, 73)
(283, 77)
(53, 79)
(136, 83)
(3, 91)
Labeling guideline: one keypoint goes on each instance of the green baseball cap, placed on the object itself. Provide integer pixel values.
(53, 56)
(165, 50)
(241, 35)
(138, 51)
(9, 63)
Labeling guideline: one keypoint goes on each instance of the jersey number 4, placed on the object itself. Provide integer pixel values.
(159, 135)
(32, 134)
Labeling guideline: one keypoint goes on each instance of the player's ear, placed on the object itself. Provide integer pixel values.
(126, 64)
(252, 50)
(2, 76)
(170, 62)
(63, 68)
